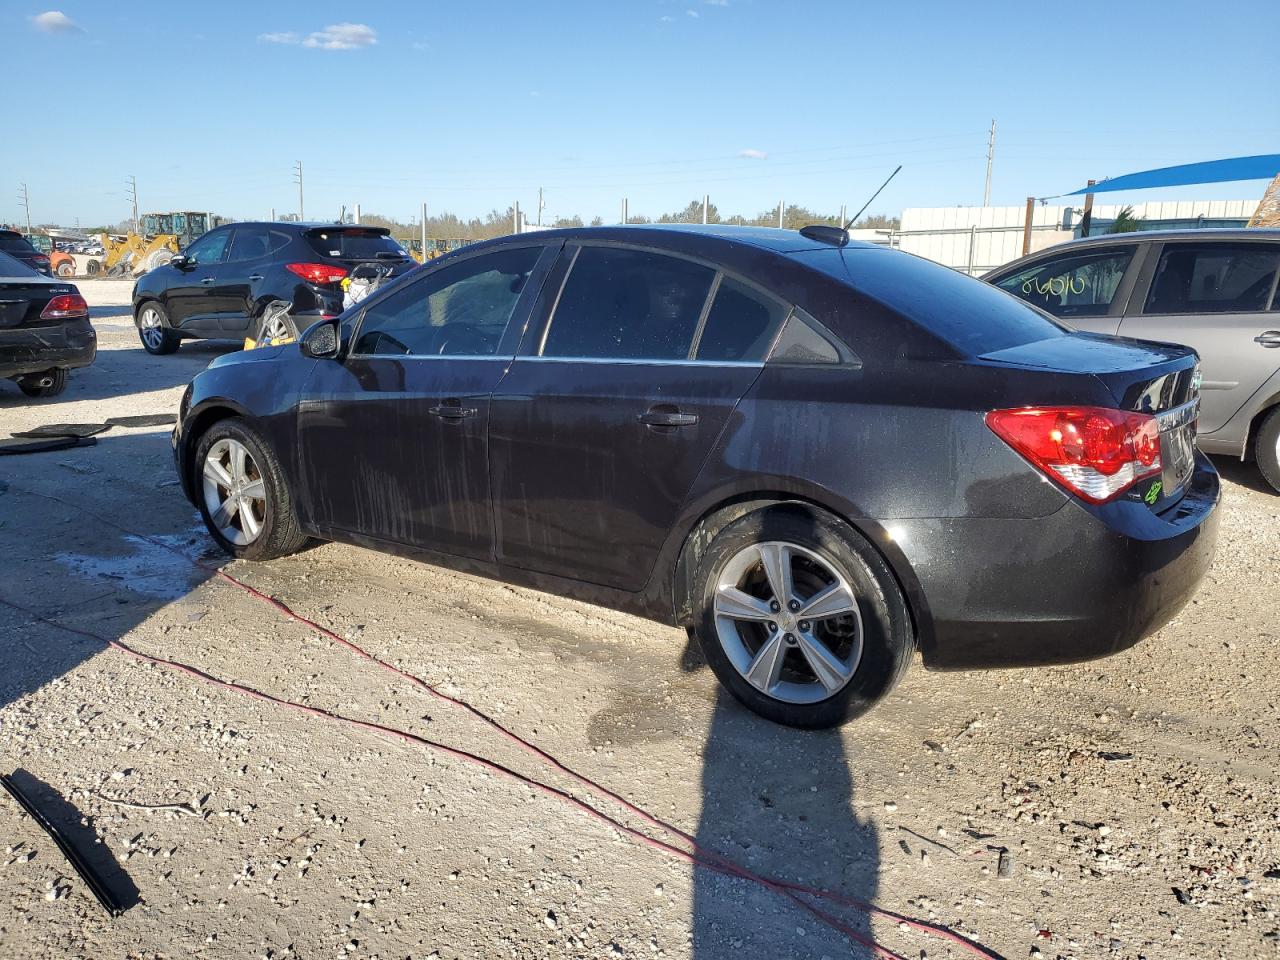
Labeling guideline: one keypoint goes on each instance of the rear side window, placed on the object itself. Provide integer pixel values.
(973, 317)
(354, 244)
(628, 305)
(1083, 285)
(249, 243)
(15, 243)
(459, 311)
(1213, 278)
(740, 325)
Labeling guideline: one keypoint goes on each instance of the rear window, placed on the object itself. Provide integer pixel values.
(349, 244)
(12, 267)
(972, 316)
(14, 243)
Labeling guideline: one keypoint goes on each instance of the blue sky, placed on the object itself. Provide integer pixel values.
(471, 105)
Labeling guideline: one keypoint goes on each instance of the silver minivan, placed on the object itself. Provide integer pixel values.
(1213, 290)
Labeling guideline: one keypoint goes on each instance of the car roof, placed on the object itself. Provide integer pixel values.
(300, 225)
(766, 238)
(1187, 233)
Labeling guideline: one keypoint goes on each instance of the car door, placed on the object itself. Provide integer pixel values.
(601, 426)
(1086, 287)
(237, 279)
(1213, 295)
(393, 436)
(189, 295)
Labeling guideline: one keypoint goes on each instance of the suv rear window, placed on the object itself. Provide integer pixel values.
(972, 316)
(354, 244)
(14, 242)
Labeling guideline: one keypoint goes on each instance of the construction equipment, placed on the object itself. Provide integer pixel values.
(162, 236)
(436, 246)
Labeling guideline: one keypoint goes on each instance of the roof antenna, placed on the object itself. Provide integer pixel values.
(854, 218)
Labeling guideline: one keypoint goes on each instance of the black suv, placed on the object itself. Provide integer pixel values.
(819, 456)
(221, 285)
(20, 248)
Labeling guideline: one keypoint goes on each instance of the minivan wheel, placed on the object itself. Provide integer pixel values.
(801, 619)
(1266, 449)
(154, 332)
(243, 494)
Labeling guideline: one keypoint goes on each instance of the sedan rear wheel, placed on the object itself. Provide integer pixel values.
(1266, 449)
(802, 619)
(244, 495)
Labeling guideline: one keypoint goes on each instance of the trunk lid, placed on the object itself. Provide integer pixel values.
(22, 301)
(1159, 379)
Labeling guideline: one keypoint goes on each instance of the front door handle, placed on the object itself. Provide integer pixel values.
(207, 280)
(452, 411)
(667, 417)
(1270, 338)
(255, 276)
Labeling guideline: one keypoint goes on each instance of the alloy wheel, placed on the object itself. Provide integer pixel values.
(234, 492)
(151, 328)
(788, 621)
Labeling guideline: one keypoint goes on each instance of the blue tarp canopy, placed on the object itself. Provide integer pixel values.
(1262, 167)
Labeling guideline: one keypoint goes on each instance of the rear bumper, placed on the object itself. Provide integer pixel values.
(1082, 583)
(26, 350)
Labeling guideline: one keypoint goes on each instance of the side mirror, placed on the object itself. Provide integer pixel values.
(180, 261)
(321, 340)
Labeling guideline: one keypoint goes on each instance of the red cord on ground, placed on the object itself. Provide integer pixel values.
(700, 856)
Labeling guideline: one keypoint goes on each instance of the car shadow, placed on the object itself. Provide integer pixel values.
(61, 563)
(115, 373)
(1243, 473)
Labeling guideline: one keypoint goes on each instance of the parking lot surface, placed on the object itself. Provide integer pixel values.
(1133, 800)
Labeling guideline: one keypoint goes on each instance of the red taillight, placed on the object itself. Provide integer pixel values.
(64, 307)
(41, 258)
(318, 272)
(1095, 452)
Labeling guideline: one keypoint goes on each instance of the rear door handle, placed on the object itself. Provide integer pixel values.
(207, 280)
(255, 276)
(657, 417)
(1270, 338)
(452, 411)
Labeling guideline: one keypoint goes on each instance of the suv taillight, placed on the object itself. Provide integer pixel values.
(1095, 452)
(318, 272)
(64, 307)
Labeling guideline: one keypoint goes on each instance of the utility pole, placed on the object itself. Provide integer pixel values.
(624, 209)
(1026, 226)
(515, 218)
(706, 202)
(540, 206)
(133, 195)
(781, 208)
(991, 152)
(25, 200)
(297, 178)
(843, 219)
(1086, 220)
(424, 231)
(357, 213)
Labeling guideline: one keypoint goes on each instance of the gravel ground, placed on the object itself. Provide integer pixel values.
(1135, 798)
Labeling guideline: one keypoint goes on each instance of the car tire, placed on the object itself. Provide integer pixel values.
(32, 384)
(832, 668)
(276, 323)
(268, 526)
(66, 270)
(1266, 449)
(154, 331)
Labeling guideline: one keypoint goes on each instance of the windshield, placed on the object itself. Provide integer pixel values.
(349, 244)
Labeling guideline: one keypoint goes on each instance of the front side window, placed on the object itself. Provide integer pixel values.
(209, 248)
(1213, 278)
(460, 311)
(1083, 285)
(628, 305)
(249, 243)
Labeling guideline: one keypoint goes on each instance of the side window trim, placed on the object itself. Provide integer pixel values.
(506, 346)
(702, 317)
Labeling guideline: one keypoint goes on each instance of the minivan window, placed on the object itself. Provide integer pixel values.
(1080, 285)
(209, 248)
(1213, 278)
(740, 325)
(973, 317)
(626, 304)
(249, 243)
(458, 311)
(353, 243)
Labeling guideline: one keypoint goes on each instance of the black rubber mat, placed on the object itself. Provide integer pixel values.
(40, 444)
(145, 420)
(65, 430)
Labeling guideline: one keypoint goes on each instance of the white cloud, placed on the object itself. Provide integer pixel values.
(752, 154)
(692, 13)
(338, 36)
(55, 21)
(664, 19)
(716, 3)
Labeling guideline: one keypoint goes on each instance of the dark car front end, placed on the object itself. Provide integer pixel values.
(44, 323)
